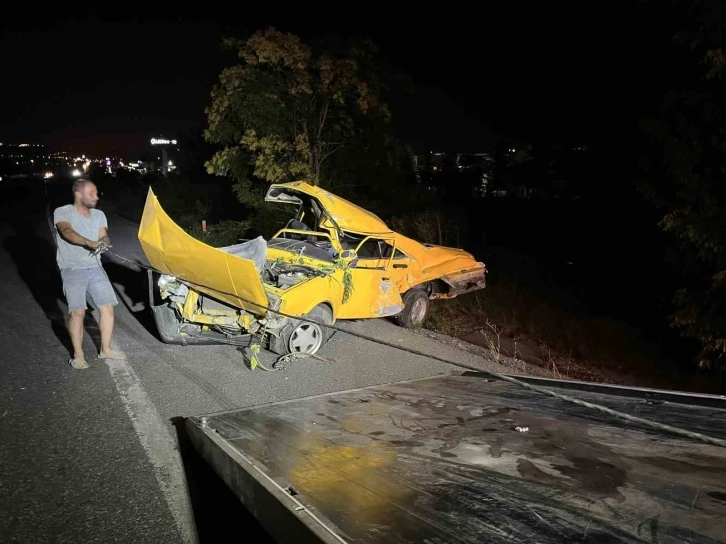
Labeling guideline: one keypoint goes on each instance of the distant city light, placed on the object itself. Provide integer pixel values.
(76, 173)
(48, 175)
(24, 145)
(162, 141)
(170, 163)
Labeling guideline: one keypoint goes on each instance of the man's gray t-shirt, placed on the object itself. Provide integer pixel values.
(70, 255)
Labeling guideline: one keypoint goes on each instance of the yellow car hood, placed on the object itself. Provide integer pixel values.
(209, 270)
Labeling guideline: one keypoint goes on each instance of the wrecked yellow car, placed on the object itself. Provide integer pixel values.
(333, 260)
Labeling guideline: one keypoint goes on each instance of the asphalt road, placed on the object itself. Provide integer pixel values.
(94, 455)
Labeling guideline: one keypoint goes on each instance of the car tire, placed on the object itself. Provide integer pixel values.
(299, 335)
(415, 308)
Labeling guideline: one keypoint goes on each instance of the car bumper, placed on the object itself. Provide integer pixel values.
(463, 282)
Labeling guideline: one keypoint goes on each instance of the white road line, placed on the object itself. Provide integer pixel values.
(158, 442)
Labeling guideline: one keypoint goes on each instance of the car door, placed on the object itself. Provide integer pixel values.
(374, 292)
(401, 266)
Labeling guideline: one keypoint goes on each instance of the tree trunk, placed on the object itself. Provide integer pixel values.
(316, 165)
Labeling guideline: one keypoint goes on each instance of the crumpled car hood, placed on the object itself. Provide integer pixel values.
(209, 270)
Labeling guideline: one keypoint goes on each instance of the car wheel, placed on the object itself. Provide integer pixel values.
(415, 307)
(303, 336)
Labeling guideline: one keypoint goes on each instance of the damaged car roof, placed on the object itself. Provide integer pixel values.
(347, 215)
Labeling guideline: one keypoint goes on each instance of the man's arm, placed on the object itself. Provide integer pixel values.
(71, 236)
(103, 236)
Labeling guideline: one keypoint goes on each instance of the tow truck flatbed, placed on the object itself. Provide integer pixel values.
(463, 458)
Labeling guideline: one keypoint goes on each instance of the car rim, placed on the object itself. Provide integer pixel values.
(418, 311)
(306, 338)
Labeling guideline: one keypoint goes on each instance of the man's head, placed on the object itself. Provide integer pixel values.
(85, 193)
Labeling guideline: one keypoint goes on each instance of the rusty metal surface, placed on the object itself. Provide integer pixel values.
(442, 460)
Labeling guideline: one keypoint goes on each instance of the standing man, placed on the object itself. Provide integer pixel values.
(81, 236)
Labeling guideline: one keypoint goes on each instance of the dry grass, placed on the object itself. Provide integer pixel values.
(570, 345)
(495, 341)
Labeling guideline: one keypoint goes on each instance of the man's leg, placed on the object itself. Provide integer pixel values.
(75, 282)
(104, 297)
(106, 329)
(75, 328)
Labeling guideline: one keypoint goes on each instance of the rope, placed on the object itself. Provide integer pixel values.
(494, 375)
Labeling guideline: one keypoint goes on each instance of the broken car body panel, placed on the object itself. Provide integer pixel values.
(207, 269)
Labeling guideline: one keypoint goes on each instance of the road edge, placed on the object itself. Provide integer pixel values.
(157, 441)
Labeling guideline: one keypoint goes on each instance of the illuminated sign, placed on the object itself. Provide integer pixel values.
(161, 141)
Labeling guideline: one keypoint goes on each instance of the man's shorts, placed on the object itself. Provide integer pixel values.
(79, 281)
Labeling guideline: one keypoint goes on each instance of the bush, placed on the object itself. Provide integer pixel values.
(224, 233)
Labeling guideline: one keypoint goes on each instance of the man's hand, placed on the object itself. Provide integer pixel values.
(104, 242)
(99, 247)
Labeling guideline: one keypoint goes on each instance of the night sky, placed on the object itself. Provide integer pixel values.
(106, 83)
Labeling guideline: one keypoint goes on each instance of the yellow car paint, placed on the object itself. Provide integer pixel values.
(206, 269)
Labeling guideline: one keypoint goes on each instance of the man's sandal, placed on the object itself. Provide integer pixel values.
(78, 363)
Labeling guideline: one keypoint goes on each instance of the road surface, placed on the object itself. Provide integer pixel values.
(94, 455)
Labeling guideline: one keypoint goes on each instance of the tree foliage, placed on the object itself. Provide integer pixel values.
(687, 172)
(286, 108)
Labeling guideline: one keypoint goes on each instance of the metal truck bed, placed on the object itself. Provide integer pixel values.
(440, 460)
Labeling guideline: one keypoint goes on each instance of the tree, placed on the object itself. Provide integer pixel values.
(687, 172)
(287, 108)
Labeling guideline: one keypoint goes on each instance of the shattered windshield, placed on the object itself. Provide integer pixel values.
(322, 250)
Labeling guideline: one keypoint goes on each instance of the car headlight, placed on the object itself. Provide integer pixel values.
(170, 286)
